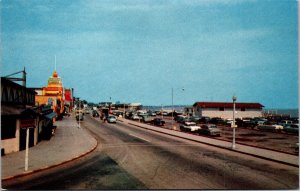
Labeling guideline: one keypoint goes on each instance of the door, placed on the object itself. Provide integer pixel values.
(23, 138)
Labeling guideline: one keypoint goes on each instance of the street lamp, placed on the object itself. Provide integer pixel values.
(233, 122)
(79, 109)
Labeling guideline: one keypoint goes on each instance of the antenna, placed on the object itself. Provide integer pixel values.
(55, 63)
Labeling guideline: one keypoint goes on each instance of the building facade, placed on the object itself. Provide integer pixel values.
(69, 99)
(53, 94)
(18, 112)
(225, 109)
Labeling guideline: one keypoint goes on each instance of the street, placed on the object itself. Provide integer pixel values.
(129, 157)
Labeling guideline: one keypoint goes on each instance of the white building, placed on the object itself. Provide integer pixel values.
(225, 109)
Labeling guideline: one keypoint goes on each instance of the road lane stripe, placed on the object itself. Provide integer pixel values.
(140, 138)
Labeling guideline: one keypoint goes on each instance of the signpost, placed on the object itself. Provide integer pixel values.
(27, 124)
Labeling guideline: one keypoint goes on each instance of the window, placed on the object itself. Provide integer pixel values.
(243, 109)
(8, 128)
(221, 109)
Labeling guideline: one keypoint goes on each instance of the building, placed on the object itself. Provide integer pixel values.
(225, 109)
(18, 112)
(69, 101)
(53, 94)
(189, 111)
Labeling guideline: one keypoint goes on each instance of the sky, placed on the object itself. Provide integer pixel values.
(137, 51)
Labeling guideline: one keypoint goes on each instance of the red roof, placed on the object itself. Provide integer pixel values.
(227, 105)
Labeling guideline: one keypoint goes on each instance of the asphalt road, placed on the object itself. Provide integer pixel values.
(132, 158)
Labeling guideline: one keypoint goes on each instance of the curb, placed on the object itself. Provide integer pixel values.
(218, 146)
(51, 166)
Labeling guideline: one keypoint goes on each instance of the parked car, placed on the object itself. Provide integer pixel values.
(273, 128)
(204, 119)
(189, 126)
(195, 119)
(295, 120)
(209, 129)
(259, 120)
(146, 119)
(292, 128)
(180, 118)
(118, 113)
(111, 119)
(151, 113)
(246, 122)
(164, 113)
(285, 123)
(217, 121)
(158, 122)
(135, 117)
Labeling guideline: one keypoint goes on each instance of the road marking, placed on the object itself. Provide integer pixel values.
(140, 138)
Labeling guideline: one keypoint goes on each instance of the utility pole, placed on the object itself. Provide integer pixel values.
(233, 122)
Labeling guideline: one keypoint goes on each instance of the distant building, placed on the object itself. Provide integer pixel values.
(121, 106)
(69, 99)
(135, 106)
(225, 109)
(189, 111)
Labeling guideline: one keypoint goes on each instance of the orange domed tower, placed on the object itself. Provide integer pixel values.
(53, 94)
(55, 88)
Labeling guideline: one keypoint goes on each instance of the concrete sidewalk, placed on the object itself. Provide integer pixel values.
(284, 158)
(68, 143)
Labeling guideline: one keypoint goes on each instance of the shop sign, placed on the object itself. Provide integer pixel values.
(26, 123)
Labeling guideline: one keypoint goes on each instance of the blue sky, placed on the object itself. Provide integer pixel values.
(137, 51)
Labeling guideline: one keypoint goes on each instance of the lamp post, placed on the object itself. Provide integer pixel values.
(233, 122)
(79, 109)
(124, 111)
(172, 107)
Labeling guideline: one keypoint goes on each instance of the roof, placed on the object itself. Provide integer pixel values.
(16, 110)
(7, 81)
(228, 105)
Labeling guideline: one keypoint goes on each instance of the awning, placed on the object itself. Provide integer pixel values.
(18, 110)
(50, 115)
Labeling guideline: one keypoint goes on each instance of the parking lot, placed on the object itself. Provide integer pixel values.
(279, 141)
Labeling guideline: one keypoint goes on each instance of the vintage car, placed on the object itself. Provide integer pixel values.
(189, 126)
(111, 119)
(209, 129)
